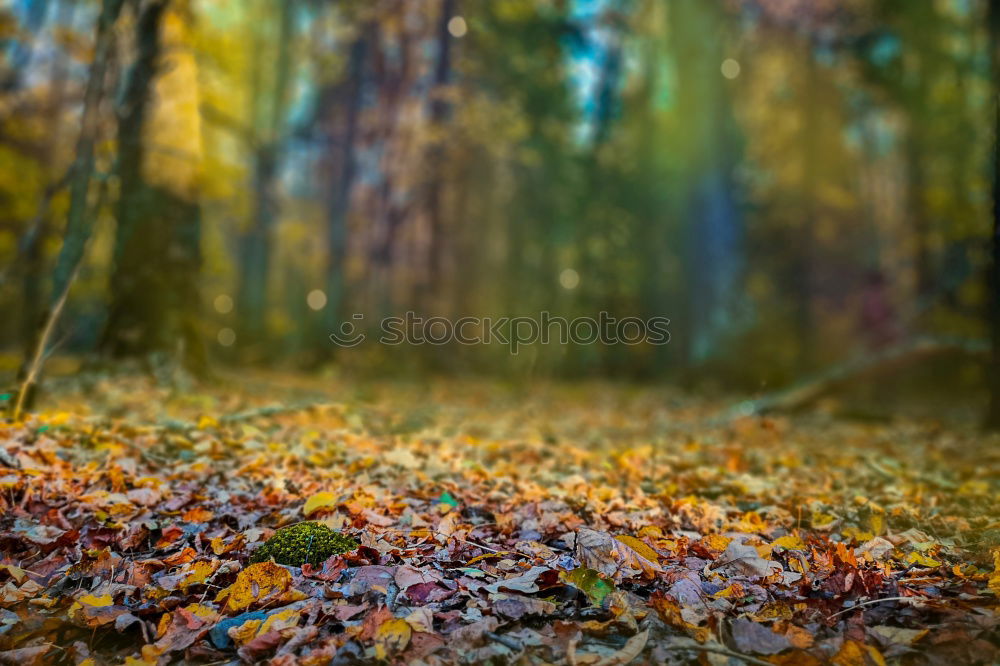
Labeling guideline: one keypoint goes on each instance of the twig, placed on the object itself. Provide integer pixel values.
(448, 536)
(505, 641)
(38, 357)
(721, 650)
(873, 601)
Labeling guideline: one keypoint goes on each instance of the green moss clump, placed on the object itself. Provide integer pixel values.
(303, 542)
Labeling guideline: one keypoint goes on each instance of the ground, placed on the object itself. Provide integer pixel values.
(586, 524)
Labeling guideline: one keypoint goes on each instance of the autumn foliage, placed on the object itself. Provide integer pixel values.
(495, 535)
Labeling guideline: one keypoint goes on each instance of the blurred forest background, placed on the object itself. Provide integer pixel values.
(792, 182)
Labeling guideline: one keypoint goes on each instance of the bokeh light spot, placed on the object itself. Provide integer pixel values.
(223, 304)
(569, 279)
(316, 299)
(730, 68)
(457, 26)
(226, 337)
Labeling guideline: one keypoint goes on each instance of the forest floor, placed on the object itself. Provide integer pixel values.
(591, 524)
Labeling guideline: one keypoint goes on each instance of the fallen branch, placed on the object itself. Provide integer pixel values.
(809, 390)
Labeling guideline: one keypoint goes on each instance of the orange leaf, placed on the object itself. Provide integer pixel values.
(197, 515)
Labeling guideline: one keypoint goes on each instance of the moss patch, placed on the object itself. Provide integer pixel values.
(303, 542)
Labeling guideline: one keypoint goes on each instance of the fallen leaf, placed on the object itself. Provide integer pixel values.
(631, 650)
(255, 583)
(852, 653)
(742, 560)
(590, 582)
(788, 542)
(749, 636)
(612, 557)
(392, 637)
(322, 500)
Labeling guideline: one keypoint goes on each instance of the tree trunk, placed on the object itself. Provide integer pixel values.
(154, 285)
(714, 247)
(343, 175)
(806, 255)
(255, 250)
(436, 162)
(78, 220)
(993, 371)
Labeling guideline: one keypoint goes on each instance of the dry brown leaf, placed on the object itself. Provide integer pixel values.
(612, 557)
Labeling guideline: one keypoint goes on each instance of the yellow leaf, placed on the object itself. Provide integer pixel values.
(789, 542)
(392, 637)
(319, 501)
(17, 573)
(255, 582)
(198, 573)
(220, 547)
(246, 632)
(207, 422)
(715, 543)
(823, 521)
(877, 523)
(281, 620)
(921, 560)
(96, 601)
(479, 558)
(734, 591)
(203, 612)
(853, 653)
(639, 547)
(994, 583)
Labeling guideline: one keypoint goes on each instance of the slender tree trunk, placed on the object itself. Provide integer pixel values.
(917, 180)
(78, 223)
(255, 247)
(713, 253)
(343, 174)
(805, 253)
(440, 110)
(993, 371)
(255, 251)
(33, 242)
(78, 219)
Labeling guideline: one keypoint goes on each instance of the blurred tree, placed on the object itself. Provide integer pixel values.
(993, 413)
(154, 282)
(708, 147)
(33, 241)
(79, 217)
(267, 136)
(342, 102)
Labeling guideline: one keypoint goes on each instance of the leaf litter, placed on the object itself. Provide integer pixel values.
(584, 526)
